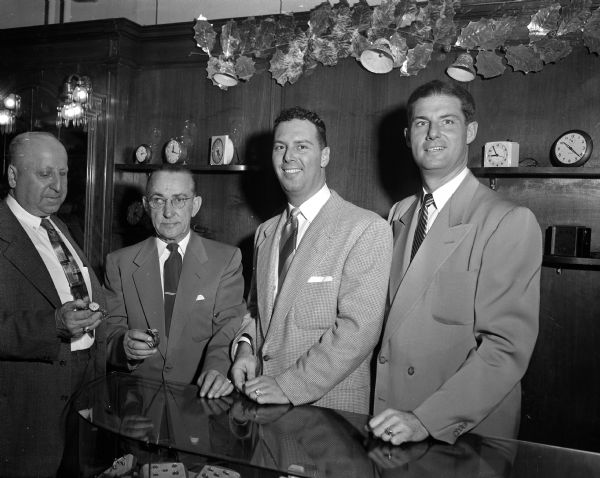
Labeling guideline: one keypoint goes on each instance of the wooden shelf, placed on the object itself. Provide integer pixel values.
(230, 168)
(571, 262)
(535, 172)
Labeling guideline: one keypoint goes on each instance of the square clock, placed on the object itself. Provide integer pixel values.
(501, 154)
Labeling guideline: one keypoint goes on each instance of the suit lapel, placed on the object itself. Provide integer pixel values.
(149, 288)
(189, 285)
(20, 251)
(400, 226)
(441, 241)
(265, 277)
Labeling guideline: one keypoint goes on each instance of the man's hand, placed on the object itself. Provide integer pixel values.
(214, 384)
(397, 427)
(244, 366)
(74, 318)
(137, 345)
(265, 389)
(136, 426)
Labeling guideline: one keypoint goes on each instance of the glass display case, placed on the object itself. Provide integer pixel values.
(131, 427)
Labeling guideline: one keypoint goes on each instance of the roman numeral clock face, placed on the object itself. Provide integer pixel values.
(572, 148)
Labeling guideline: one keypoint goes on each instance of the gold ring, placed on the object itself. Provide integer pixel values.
(257, 392)
(86, 330)
(388, 431)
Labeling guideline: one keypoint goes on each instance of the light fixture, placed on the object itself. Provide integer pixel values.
(9, 110)
(462, 69)
(75, 101)
(378, 57)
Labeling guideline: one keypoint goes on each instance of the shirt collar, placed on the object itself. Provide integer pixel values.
(311, 207)
(162, 245)
(23, 216)
(443, 194)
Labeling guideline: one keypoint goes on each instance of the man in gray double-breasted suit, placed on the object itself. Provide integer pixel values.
(309, 338)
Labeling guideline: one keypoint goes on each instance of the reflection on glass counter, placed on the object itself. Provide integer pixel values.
(132, 427)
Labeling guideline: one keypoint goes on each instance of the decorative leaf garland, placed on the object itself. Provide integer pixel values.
(410, 29)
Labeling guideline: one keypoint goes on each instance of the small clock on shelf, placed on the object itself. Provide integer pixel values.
(501, 154)
(175, 151)
(221, 150)
(143, 154)
(572, 148)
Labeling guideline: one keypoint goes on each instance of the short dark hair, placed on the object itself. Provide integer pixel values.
(439, 87)
(300, 113)
(172, 168)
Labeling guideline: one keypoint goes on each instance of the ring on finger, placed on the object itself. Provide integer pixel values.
(257, 392)
(389, 432)
(86, 329)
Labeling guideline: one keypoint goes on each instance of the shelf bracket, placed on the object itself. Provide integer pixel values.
(493, 184)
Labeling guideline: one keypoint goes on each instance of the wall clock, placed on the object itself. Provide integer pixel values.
(572, 148)
(501, 154)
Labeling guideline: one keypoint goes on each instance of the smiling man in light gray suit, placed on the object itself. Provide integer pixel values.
(317, 298)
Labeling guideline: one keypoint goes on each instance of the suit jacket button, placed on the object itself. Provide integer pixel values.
(382, 359)
(168, 367)
(411, 370)
(266, 358)
(62, 363)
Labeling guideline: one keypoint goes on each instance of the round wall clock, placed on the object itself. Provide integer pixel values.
(143, 153)
(175, 151)
(572, 148)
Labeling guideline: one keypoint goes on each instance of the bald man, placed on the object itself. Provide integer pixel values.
(50, 340)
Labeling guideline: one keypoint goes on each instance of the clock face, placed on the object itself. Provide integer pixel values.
(174, 151)
(217, 151)
(573, 148)
(143, 153)
(496, 155)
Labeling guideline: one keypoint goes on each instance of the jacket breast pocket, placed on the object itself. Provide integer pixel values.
(315, 308)
(453, 297)
(200, 322)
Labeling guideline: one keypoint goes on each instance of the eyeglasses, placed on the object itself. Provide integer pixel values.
(159, 203)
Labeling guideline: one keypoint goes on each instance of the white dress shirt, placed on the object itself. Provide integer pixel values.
(39, 237)
(442, 195)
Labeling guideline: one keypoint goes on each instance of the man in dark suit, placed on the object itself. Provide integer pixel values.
(196, 312)
(50, 341)
(464, 289)
(318, 293)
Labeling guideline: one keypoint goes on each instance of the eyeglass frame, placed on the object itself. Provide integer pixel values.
(162, 202)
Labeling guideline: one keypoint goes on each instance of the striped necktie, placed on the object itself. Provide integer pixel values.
(171, 273)
(422, 225)
(70, 267)
(287, 244)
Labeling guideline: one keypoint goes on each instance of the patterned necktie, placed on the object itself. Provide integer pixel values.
(422, 225)
(171, 273)
(70, 267)
(287, 244)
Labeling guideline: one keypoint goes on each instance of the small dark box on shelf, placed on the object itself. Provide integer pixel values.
(569, 241)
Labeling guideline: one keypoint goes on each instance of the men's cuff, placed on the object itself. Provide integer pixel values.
(243, 338)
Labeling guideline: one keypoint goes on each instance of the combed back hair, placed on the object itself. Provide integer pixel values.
(300, 113)
(171, 168)
(20, 143)
(438, 87)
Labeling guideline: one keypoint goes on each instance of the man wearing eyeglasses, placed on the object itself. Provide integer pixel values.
(177, 286)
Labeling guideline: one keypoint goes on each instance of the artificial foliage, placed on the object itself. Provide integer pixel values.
(409, 30)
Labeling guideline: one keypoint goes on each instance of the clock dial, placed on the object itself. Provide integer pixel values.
(573, 148)
(217, 151)
(497, 155)
(175, 151)
(143, 153)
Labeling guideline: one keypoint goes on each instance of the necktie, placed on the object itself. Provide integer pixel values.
(287, 244)
(171, 273)
(70, 267)
(422, 225)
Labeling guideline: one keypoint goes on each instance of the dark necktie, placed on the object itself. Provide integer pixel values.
(287, 244)
(171, 273)
(70, 267)
(422, 225)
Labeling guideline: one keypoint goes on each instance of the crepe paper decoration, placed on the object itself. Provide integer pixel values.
(321, 20)
(574, 16)
(287, 67)
(358, 45)
(591, 32)
(342, 31)
(244, 68)
(361, 16)
(284, 30)
(230, 39)
(544, 22)
(523, 58)
(488, 64)
(487, 34)
(551, 50)
(399, 49)
(417, 59)
(265, 37)
(383, 17)
(324, 51)
(248, 31)
(205, 35)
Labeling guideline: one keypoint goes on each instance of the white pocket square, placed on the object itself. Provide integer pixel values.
(200, 297)
(320, 279)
